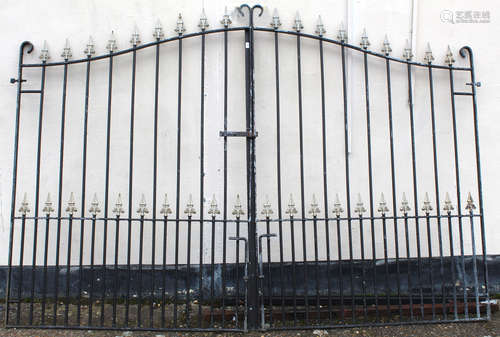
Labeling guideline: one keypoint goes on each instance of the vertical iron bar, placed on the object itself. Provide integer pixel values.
(316, 267)
(408, 260)
(92, 256)
(60, 189)
(294, 275)
(393, 185)
(130, 184)
(68, 269)
(106, 188)
(363, 272)
(415, 186)
(237, 270)
(302, 197)
(370, 177)
(278, 170)
(479, 179)
(434, 152)
(325, 176)
(164, 270)
(56, 274)
(178, 184)
(202, 161)
(37, 183)
(21, 271)
(139, 291)
(251, 250)
(441, 272)
(452, 258)
(188, 274)
(346, 149)
(340, 270)
(155, 174)
(104, 256)
(29, 47)
(269, 279)
(351, 274)
(457, 183)
(45, 262)
(212, 273)
(462, 260)
(83, 192)
(386, 263)
(474, 265)
(431, 273)
(224, 208)
(117, 284)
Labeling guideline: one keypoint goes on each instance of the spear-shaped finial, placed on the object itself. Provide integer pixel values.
(94, 205)
(470, 204)
(44, 53)
(320, 27)
(267, 210)
(428, 54)
(297, 23)
(118, 209)
(179, 28)
(448, 206)
(112, 46)
(275, 23)
(25, 208)
(427, 208)
(382, 206)
(337, 206)
(314, 210)
(203, 20)
(158, 30)
(360, 207)
(214, 209)
(71, 208)
(364, 40)
(90, 48)
(291, 210)
(449, 59)
(48, 205)
(342, 33)
(165, 207)
(143, 209)
(407, 53)
(66, 53)
(189, 210)
(386, 46)
(226, 19)
(238, 208)
(405, 207)
(136, 38)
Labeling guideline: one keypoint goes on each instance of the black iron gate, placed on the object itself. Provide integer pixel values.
(295, 269)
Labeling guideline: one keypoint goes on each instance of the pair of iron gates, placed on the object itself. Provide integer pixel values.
(254, 268)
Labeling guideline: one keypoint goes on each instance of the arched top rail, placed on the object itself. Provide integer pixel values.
(262, 29)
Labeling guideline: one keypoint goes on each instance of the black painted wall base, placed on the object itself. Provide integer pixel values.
(327, 275)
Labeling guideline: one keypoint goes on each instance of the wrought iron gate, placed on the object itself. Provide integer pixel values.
(261, 276)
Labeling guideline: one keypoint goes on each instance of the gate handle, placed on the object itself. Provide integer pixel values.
(245, 277)
(261, 277)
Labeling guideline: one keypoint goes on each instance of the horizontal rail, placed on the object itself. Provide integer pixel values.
(409, 217)
(262, 29)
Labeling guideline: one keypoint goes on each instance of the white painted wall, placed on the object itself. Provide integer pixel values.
(56, 20)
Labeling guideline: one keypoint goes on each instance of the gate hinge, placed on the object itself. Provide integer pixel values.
(247, 134)
(477, 84)
(14, 80)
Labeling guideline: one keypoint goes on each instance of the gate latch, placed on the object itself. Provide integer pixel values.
(247, 134)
